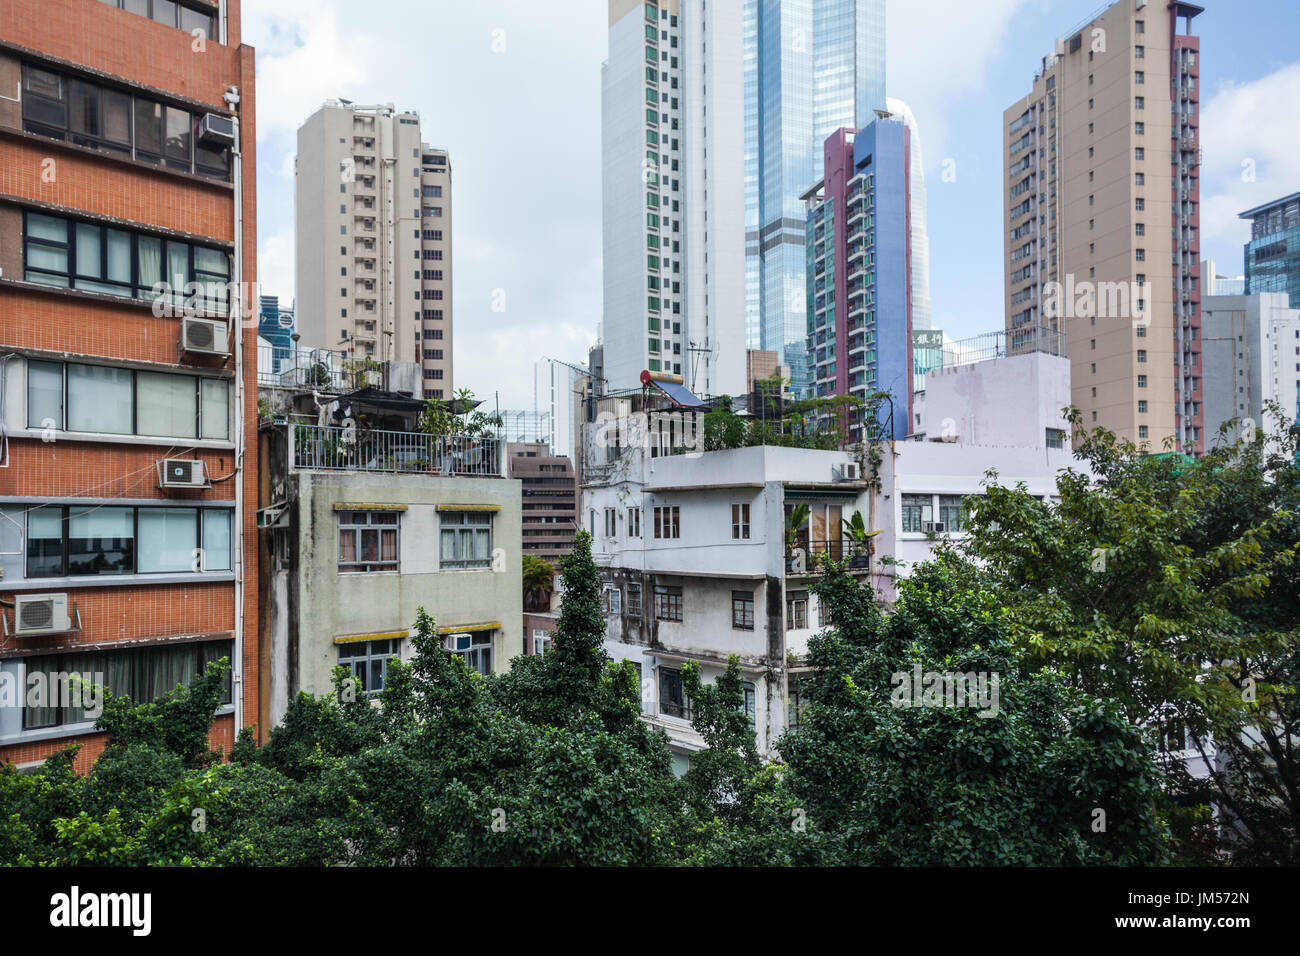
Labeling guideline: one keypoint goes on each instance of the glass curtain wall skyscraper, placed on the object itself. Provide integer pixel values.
(810, 67)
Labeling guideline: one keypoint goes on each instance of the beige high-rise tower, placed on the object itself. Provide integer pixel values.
(373, 220)
(1101, 219)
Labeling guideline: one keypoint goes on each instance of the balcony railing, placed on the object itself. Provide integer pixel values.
(334, 448)
(321, 369)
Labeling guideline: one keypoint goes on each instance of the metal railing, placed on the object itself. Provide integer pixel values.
(322, 369)
(334, 448)
(994, 345)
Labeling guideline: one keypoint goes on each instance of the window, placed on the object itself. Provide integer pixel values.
(118, 401)
(474, 648)
(1141, 331)
(368, 540)
(1139, 77)
(634, 600)
(918, 511)
(951, 512)
(1142, 431)
(667, 522)
(796, 611)
(141, 673)
(740, 520)
(613, 600)
(1055, 438)
(1142, 381)
(73, 110)
(742, 610)
(749, 702)
(84, 540)
(1142, 406)
(368, 662)
(541, 641)
(797, 706)
(611, 522)
(1141, 355)
(465, 539)
(95, 258)
(672, 697)
(634, 522)
(668, 603)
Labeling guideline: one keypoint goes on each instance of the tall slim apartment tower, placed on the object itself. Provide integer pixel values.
(810, 68)
(672, 195)
(367, 186)
(1102, 221)
(859, 290)
(128, 336)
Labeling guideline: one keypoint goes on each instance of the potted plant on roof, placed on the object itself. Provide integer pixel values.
(795, 522)
(860, 539)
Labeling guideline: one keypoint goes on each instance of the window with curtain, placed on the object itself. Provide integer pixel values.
(96, 258)
(368, 540)
(166, 405)
(465, 539)
(44, 395)
(88, 113)
(215, 405)
(143, 674)
(169, 539)
(100, 539)
(216, 540)
(123, 401)
(100, 399)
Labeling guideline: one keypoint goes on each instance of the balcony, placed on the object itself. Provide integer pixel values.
(335, 448)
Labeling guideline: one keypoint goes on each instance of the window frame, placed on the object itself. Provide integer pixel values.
(65, 557)
(63, 129)
(458, 522)
(740, 520)
(370, 656)
(742, 619)
(346, 524)
(669, 603)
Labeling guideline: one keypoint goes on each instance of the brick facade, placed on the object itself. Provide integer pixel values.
(95, 41)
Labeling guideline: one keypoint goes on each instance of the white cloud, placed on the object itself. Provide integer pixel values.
(938, 57)
(303, 59)
(1252, 154)
(275, 266)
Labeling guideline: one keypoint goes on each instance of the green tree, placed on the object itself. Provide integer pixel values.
(1169, 586)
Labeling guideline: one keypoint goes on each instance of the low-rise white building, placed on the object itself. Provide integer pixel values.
(1251, 354)
(692, 545)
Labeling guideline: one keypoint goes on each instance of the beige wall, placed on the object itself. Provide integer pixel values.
(1096, 217)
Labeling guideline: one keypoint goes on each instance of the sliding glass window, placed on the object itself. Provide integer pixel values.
(120, 401)
(87, 113)
(97, 258)
(91, 539)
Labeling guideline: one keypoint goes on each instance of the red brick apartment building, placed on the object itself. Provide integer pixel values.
(128, 459)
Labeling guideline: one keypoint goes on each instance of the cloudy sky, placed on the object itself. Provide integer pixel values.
(512, 88)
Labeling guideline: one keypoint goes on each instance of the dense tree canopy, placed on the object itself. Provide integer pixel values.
(1009, 709)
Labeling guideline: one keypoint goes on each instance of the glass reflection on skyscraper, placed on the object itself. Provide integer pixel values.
(811, 67)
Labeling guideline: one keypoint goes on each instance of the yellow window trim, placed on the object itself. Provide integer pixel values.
(376, 636)
(367, 506)
(468, 507)
(460, 628)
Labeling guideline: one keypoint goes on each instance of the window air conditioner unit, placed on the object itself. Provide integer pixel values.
(36, 614)
(935, 527)
(217, 130)
(182, 473)
(205, 336)
(849, 471)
